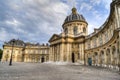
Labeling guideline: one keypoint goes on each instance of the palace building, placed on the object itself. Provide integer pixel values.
(25, 52)
(101, 48)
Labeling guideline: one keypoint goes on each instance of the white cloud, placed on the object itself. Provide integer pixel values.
(13, 22)
(95, 2)
(34, 18)
(107, 3)
(72, 2)
(85, 6)
(5, 35)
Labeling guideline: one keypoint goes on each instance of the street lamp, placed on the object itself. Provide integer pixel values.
(11, 52)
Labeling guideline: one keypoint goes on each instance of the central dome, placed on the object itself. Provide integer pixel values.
(74, 17)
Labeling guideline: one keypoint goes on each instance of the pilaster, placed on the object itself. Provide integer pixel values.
(119, 51)
(62, 52)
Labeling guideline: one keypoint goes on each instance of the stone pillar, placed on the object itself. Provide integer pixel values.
(55, 53)
(99, 58)
(62, 52)
(111, 58)
(68, 52)
(117, 15)
(105, 58)
(51, 54)
(59, 53)
(116, 55)
(80, 52)
(119, 50)
(4, 56)
(86, 59)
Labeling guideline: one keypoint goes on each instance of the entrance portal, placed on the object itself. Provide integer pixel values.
(73, 57)
(42, 59)
(89, 61)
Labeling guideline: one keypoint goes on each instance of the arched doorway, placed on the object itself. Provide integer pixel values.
(89, 61)
(73, 57)
(42, 59)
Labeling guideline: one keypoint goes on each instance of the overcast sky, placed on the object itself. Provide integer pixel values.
(37, 20)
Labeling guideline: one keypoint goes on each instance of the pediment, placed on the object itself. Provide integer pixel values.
(54, 37)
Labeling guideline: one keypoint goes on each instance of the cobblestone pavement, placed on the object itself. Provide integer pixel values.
(47, 71)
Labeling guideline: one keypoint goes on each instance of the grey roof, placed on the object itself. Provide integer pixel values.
(15, 42)
(74, 17)
(18, 42)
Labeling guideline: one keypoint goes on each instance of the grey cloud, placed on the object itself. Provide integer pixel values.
(37, 19)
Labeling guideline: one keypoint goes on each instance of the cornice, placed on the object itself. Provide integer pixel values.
(107, 43)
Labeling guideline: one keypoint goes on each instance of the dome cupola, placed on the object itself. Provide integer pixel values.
(75, 24)
(74, 16)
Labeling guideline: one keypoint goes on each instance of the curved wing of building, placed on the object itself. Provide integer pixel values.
(101, 48)
(103, 45)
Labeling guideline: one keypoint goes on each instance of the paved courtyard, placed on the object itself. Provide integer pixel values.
(49, 71)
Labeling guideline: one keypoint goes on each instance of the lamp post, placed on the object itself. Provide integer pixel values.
(11, 52)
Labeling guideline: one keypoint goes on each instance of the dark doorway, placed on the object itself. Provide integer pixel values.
(42, 59)
(89, 61)
(73, 57)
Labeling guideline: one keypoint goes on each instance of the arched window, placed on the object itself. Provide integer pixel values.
(84, 30)
(66, 30)
(75, 30)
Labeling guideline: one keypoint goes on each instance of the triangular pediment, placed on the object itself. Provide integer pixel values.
(54, 37)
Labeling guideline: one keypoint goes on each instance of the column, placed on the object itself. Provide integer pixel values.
(119, 51)
(105, 58)
(116, 55)
(51, 53)
(62, 52)
(86, 58)
(80, 52)
(58, 51)
(117, 15)
(99, 58)
(111, 60)
(68, 52)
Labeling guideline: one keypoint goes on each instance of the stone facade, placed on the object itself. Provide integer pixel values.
(69, 45)
(101, 48)
(25, 52)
